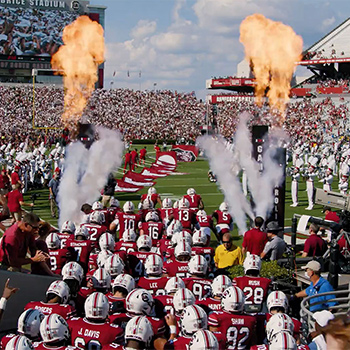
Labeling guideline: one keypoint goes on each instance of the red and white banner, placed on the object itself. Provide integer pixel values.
(186, 153)
(122, 186)
(166, 159)
(138, 179)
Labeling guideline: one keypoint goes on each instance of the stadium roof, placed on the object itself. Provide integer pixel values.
(334, 47)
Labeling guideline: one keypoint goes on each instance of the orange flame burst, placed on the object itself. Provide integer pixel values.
(272, 48)
(78, 60)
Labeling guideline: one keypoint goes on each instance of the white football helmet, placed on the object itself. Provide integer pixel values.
(154, 265)
(252, 262)
(191, 191)
(174, 284)
(203, 340)
(101, 279)
(129, 235)
(53, 241)
(68, 226)
(167, 203)
(201, 213)
(147, 204)
(114, 202)
(60, 289)
(97, 205)
(182, 248)
(174, 226)
(82, 231)
(54, 328)
(29, 323)
(143, 242)
(96, 217)
(277, 299)
(283, 341)
(220, 284)
(152, 216)
(140, 302)
(106, 242)
(193, 319)
(184, 203)
(73, 270)
(223, 206)
(183, 297)
(96, 306)
(114, 265)
(139, 329)
(233, 299)
(151, 191)
(182, 236)
(128, 207)
(198, 265)
(200, 237)
(176, 204)
(19, 342)
(279, 323)
(102, 257)
(124, 281)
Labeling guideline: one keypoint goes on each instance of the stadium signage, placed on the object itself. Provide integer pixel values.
(229, 98)
(42, 4)
(24, 65)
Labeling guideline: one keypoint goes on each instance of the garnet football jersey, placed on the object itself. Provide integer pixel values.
(239, 328)
(58, 258)
(200, 287)
(83, 249)
(194, 200)
(166, 301)
(163, 245)
(126, 221)
(209, 304)
(66, 311)
(223, 220)
(173, 268)
(204, 220)
(64, 237)
(179, 343)
(85, 334)
(166, 213)
(95, 232)
(187, 218)
(254, 288)
(126, 246)
(154, 285)
(153, 230)
(158, 325)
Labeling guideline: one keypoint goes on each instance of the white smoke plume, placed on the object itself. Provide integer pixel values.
(261, 185)
(221, 162)
(86, 172)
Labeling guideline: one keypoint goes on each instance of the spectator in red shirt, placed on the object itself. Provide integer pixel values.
(330, 215)
(314, 245)
(17, 241)
(15, 178)
(15, 202)
(254, 240)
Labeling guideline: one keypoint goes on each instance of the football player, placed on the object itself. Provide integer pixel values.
(57, 298)
(152, 227)
(224, 222)
(240, 328)
(95, 227)
(94, 330)
(194, 199)
(179, 266)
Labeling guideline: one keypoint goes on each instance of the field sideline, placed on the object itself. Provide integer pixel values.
(175, 186)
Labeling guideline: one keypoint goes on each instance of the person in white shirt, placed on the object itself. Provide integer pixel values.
(311, 175)
(294, 186)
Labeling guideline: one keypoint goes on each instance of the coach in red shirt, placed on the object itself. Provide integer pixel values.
(17, 241)
(15, 178)
(15, 203)
(314, 245)
(254, 240)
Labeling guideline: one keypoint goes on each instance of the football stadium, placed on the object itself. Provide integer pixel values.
(151, 219)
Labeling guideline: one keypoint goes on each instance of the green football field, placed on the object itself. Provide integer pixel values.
(194, 175)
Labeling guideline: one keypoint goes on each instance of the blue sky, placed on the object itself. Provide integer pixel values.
(178, 44)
